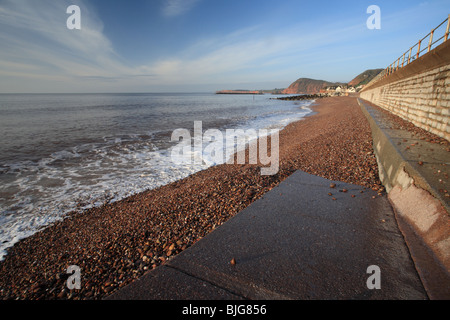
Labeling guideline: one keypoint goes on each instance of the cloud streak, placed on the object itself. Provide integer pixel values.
(173, 8)
(36, 44)
(250, 52)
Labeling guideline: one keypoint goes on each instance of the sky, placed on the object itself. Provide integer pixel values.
(200, 45)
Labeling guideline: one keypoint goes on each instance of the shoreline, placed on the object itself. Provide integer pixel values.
(118, 242)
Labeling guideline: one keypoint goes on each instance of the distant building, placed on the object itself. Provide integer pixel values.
(339, 89)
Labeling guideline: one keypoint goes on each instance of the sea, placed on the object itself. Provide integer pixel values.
(61, 153)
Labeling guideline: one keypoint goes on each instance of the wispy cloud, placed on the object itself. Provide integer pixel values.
(173, 8)
(36, 44)
(251, 52)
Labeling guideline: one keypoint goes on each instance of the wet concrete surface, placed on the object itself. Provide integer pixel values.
(294, 243)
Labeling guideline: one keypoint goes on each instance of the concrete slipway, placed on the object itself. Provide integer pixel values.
(298, 243)
(294, 243)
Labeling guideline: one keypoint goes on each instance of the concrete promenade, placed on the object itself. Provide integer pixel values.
(296, 242)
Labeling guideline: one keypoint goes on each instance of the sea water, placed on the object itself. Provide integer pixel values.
(61, 153)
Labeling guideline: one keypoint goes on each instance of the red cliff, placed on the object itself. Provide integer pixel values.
(307, 86)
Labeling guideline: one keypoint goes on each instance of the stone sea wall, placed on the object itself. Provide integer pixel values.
(418, 92)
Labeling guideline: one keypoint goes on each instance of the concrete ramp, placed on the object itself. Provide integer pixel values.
(297, 242)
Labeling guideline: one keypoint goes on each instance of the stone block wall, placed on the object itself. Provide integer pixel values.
(419, 92)
(423, 99)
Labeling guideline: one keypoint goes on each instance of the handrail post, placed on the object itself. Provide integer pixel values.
(431, 40)
(448, 28)
(409, 56)
(418, 49)
(403, 60)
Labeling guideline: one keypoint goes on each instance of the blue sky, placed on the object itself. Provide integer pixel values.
(200, 45)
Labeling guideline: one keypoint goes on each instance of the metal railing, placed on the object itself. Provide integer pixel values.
(415, 51)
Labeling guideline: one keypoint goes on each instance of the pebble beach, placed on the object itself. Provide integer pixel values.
(118, 242)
